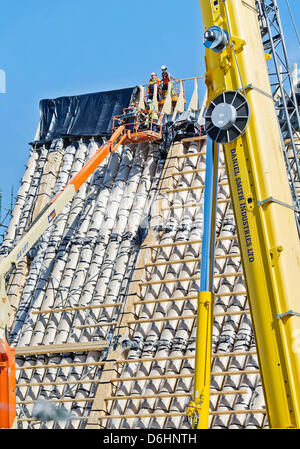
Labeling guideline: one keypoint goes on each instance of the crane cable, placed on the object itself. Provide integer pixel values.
(292, 18)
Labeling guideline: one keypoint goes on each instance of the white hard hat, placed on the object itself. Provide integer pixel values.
(152, 73)
(163, 67)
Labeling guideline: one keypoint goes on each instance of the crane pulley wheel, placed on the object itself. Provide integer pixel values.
(227, 117)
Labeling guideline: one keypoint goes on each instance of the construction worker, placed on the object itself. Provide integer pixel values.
(153, 80)
(152, 117)
(130, 117)
(143, 119)
(166, 78)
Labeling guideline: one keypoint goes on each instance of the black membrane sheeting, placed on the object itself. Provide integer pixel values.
(83, 115)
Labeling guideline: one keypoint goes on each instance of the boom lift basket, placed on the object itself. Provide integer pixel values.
(139, 126)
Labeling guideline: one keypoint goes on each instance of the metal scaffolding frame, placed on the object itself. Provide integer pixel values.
(283, 92)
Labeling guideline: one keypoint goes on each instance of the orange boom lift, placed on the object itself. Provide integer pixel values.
(50, 212)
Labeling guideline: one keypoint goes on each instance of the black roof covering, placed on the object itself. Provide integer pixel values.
(82, 115)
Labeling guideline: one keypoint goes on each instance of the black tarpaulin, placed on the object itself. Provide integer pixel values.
(83, 115)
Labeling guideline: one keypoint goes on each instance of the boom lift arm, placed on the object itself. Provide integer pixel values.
(40, 224)
(241, 116)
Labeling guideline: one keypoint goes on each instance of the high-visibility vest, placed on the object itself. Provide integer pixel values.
(152, 112)
(166, 78)
(153, 80)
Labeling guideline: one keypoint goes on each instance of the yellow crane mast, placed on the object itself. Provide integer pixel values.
(241, 116)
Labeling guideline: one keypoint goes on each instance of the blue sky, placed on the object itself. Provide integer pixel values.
(52, 48)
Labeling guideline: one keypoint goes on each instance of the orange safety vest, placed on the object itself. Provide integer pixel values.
(153, 80)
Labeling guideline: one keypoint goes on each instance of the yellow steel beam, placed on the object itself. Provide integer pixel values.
(267, 232)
